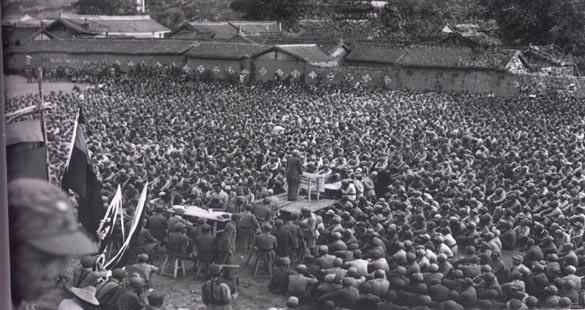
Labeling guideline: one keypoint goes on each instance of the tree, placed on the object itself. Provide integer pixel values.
(105, 7)
(538, 21)
(289, 11)
(413, 17)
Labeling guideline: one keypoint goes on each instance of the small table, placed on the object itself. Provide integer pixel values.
(215, 216)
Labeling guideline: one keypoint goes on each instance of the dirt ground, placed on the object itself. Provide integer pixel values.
(15, 85)
(185, 292)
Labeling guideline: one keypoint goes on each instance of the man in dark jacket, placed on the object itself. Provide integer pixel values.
(294, 170)
(157, 224)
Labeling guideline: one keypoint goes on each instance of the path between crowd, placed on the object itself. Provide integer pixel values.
(16, 85)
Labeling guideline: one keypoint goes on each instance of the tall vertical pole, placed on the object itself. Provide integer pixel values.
(43, 123)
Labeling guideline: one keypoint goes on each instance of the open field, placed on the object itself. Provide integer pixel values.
(15, 86)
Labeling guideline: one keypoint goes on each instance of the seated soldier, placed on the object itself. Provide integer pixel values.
(345, 297)
(298, 283)
(147, 269)
(85, 275)
(279, 280)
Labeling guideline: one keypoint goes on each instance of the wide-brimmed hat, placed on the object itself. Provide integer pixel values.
(42, 217)
(86, 294)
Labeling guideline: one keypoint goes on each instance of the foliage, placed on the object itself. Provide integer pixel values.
(538, 21)
(414, 17)
(105, 7)
(288, 11)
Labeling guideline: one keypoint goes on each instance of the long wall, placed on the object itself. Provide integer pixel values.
(16, 62)
(394, 77)
(424, 79)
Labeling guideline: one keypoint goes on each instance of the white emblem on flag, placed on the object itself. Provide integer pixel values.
(366, 78)
(200, 69)
(330, 76)
(313, 75)
(216, 70)
(186, 68)
(245, 72)
(295, 73)
(279, 72)
(349, 77)
(387, 80)
(263, 71)
(230, 70)
(117, 62)
(131, 64)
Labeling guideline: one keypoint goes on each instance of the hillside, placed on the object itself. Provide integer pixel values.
(162, 10)
(171, 12)
(36, 8)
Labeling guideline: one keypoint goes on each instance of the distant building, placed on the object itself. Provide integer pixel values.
(232, 31)
(79, 53)
(470, 34)
(71, 26)
(550, 60)
(16, 31)
(290, 61)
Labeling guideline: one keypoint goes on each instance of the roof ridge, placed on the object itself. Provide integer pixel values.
(105, 17)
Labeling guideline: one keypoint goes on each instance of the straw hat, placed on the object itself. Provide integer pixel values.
(86, 294)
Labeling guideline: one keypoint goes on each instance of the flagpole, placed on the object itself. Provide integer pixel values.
(71, 146)
(43, 124)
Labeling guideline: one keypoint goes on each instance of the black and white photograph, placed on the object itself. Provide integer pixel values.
(293, 154)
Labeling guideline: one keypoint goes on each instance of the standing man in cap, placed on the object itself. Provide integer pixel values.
(215, 294)
(227, 243)
(294, 171)
(43, 233)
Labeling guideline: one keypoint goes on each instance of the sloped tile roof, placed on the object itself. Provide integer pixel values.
(307, 52)
(98, 24)
(433, 56)
(217, 50)
(133, 47)
(221, 30)
(457, 57)
(375, 53)
(256, 27)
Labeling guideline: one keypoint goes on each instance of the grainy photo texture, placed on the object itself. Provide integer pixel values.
(295, 154)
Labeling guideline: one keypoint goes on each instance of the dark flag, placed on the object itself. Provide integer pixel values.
(26, 152)
(80, 177)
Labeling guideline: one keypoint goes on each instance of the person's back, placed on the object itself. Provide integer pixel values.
(177, 244)
(263, 212)
(206, 245)
(266, 242)
(284, 240)
(128, 300)
(157, 224)
(216, 294)
(107, 293)
(296, 233)
(297, 284)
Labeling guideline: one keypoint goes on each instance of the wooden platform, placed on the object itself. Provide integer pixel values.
(295, 206)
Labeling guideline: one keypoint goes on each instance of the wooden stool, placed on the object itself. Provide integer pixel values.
(266, 259)
(236, 268)
(201, 265)
(178, 264)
